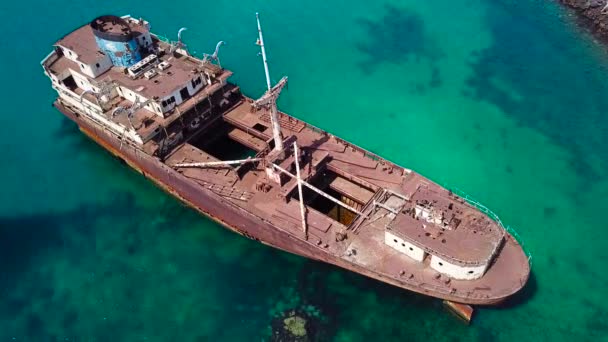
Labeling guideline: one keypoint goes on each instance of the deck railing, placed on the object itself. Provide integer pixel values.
(366, 153)
(161, 38)
(473, 202)
(470, 200)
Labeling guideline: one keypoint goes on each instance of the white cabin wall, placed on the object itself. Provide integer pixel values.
(69, 54)
(103, 64)
(404, 247)
(86, 69)
(131, 95)
(54, 78)
(457, 272)
(193, 90)
(82, 81)
(154, 108)
(176, 96)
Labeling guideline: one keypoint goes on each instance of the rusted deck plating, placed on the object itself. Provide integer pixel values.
(384, 196)
(362, 178)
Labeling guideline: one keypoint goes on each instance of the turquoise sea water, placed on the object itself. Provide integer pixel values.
(504, 99)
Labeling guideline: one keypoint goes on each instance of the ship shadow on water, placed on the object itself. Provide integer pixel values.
(99, 162)
(66, 128)
(342, 300)
(34, 249)
(522, 297)
(345, 297)
(23, 240)
(27, 244)
(69, 134)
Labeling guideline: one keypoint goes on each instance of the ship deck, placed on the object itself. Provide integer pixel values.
(359, 178)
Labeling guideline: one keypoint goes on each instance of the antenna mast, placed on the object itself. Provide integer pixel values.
(261, 42)
(272, 94)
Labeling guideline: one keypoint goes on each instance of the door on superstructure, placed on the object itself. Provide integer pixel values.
(184, 94)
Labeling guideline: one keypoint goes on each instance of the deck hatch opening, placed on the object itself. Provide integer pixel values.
(327, 207)
(216, 142)
(259, 127)
(323, 205)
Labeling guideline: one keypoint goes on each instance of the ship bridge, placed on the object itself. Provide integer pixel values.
(134, 82)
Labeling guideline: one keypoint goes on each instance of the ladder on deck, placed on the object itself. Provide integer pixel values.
(286, 122)
(227, 191)
(367, 211)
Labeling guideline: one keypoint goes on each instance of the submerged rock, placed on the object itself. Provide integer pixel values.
(593, 14)
(296, 326)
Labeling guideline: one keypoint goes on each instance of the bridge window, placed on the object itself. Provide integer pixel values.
(196, 82)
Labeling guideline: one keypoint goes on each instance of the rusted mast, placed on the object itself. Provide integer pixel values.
(274, 117)
(299, 179)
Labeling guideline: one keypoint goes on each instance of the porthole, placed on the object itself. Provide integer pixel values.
(395, 240)
(411, 249)
(402, 245)
(440, 263)
(470, 272)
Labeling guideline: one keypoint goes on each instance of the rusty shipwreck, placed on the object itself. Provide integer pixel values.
(180, 122)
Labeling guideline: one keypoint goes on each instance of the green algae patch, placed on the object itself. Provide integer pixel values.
(298, 325)
(295, 325)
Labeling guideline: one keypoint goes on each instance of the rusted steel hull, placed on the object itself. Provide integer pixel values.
(231, 216)
(462, 311)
